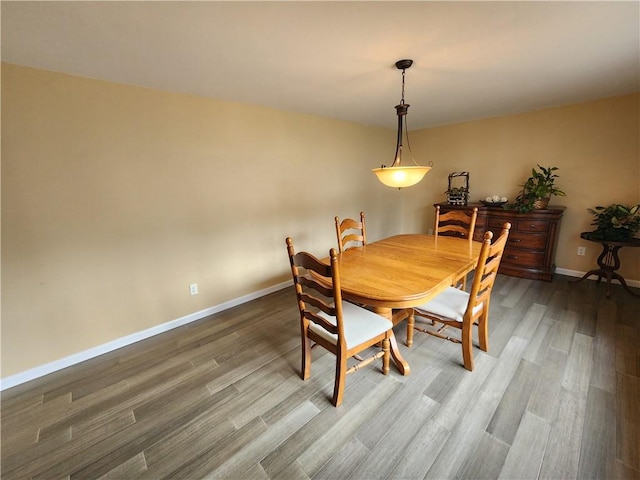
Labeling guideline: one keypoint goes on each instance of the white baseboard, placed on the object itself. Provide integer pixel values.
(48, 368)
(575, 273)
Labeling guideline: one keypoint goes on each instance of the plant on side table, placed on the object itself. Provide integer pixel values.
(537, 190)
(616, 222)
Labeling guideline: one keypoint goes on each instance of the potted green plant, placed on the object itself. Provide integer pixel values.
(537, 190)
(615, 222)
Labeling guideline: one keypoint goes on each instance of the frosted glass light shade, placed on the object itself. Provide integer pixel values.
(400, 177)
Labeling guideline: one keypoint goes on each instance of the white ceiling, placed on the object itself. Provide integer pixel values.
(336, 59)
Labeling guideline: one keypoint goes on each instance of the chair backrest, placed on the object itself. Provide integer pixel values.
(487, 268)
(314, 296)
(456, 222)
(359, 235)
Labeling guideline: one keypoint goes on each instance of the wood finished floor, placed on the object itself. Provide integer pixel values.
(557, 397)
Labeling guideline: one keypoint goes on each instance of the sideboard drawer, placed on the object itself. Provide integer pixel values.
(495, 224)
(527, 240)
(527, 225)
(524, 258)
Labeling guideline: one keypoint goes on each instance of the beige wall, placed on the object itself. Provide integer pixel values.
(596, 146)
(116, 198)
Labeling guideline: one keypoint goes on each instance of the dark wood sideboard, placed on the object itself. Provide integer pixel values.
(531, 248)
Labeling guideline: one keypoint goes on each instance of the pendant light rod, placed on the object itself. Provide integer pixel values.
(401, 111)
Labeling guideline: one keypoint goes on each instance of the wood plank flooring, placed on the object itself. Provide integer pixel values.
(557, 397)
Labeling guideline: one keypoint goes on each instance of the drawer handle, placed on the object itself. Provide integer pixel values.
(516, 240)
(512, 257)
(533, 225)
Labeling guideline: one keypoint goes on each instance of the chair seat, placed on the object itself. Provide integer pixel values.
(360, 325)
(450, 304)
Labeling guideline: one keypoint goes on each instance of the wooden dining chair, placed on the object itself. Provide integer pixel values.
(349, 230)
(341, 327)
(457, 223)
(459, 309)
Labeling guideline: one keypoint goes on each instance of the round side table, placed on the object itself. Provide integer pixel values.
(609, 262)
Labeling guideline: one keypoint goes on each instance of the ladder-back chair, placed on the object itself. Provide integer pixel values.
(457, 223)
(459, 309)
(350, 230)
(342, 328)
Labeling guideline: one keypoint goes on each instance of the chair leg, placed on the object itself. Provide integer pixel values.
(386, 355)
(411, 321)
(305, 370)
(338, 388)
(483, 331)
(467, 347)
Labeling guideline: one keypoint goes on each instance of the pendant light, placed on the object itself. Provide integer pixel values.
(396, 175)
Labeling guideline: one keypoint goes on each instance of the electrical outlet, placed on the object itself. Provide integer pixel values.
(431, 231)
(582, 251)
(193, 289)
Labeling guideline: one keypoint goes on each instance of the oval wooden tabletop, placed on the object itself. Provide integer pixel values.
(404, 270)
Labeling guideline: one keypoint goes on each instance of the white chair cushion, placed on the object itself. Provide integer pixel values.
(360, 325)
(450, 304)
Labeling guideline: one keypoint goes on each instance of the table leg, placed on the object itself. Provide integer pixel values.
(401, 363)
(608, 262)
(600, 273)
(622, 281)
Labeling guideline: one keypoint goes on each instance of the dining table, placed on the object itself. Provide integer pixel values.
(394, 274)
